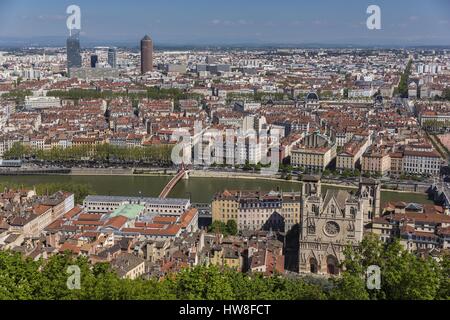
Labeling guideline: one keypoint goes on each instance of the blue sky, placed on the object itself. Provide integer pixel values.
(404, 22)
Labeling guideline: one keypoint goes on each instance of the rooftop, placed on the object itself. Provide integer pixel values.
(131, 211)
(140, 200)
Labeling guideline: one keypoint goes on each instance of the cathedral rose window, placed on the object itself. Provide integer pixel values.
(332, 228)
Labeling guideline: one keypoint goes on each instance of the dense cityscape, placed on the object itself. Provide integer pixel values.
(338, 160)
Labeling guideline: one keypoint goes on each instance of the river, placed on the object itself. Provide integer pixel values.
(201, 190)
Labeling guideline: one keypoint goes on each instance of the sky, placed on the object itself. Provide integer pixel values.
(230, 22)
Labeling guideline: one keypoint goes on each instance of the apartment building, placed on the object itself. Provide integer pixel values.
(7, 142)
(43, 214)
(376, 160)
(396, 163)
(314, 153)
(256, 210)
(418, 226)
(38, 103)
(352, 153)
(412, 90)
(422, 162)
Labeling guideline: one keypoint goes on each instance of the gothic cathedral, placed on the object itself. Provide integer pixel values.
(332, 221)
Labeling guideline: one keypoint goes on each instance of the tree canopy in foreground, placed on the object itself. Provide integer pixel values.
(404, 276)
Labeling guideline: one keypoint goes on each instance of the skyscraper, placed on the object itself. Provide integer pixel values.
(146, 55)
(94, 60)
(112, 57)
(73, 51)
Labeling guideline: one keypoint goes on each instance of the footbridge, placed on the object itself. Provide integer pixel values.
(183, 173)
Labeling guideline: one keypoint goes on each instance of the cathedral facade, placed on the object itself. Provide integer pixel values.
(331, 222)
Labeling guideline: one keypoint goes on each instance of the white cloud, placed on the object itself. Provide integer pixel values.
(51, 17)
(239, 22)
(319, 22)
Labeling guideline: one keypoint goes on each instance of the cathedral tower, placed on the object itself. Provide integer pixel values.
(311, 186)
(370, 194)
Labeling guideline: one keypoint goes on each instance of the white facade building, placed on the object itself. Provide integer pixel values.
(35, 103)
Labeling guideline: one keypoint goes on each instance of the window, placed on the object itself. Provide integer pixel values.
(313, 268)
(315, 209)
(353, 212)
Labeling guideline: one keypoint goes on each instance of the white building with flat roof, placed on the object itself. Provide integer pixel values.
(107, 204)
(37, 103)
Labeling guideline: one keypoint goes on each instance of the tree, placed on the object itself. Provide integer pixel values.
(203, 283)
(402, 88)
(18, 151)
(98, 153)
(229, 228)
(232, 228)
(217, 227)
(444, 290)
(404, 275)
(349, 287)
(347, 173)
(247, 166)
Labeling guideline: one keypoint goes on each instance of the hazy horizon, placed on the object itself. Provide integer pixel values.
(211, 23)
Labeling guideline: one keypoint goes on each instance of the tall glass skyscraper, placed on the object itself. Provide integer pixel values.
(73, 51)
(112, 57)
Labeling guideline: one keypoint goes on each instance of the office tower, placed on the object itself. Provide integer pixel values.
(112, 57)
(73, 51)
(146, 54)
(94, 60)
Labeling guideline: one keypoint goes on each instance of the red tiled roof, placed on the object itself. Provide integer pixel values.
(41, 209)
(187, 217)
(116, 222)
(164, 220)
(72, 213)
(89, 217)
(87, 223)
(69, 247)
(170, 231)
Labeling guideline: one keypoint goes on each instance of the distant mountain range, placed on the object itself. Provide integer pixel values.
(86, 42)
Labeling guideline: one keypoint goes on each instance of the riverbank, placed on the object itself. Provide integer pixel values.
(237, 175)
(213, 174)
(200, 189)
(101, 172)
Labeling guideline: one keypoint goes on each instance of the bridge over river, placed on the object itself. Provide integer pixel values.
(183, 173)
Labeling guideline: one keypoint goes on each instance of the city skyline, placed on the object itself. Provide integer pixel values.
(227, 151)
(200, 23)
